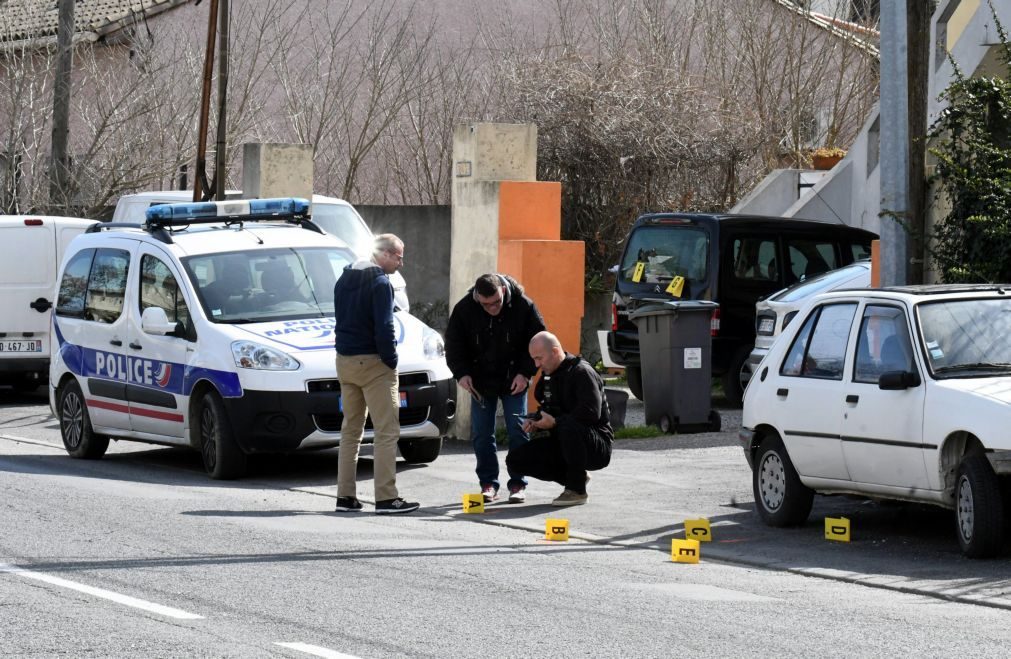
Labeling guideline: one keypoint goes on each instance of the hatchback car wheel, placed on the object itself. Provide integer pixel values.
(979, 508)
(780, 497)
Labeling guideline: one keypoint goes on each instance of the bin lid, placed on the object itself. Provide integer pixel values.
(673, 307)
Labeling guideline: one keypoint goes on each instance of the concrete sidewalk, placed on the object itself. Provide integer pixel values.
(652, 485)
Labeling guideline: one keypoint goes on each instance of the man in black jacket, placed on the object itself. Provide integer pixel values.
(574, 411)
(486, 348)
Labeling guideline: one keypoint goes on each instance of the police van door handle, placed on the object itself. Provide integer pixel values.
(136, 346)
(782, 392)
(116, 342)
(852, 398)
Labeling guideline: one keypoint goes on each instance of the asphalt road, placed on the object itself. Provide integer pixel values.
(140, 554)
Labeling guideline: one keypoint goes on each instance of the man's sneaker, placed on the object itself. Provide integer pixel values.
(517, 494)
(348, 505)
(489, 492)
(396, 506)
(569, 498)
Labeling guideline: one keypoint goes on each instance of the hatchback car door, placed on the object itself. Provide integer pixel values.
(157, 404)
(882, 429)
(807, 405)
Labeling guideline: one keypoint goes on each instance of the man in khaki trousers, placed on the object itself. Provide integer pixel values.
(367, 370)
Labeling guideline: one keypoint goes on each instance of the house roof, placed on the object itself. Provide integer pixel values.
(34, 22)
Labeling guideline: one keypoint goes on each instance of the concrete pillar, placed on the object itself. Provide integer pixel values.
(504, 220)
(276, 170)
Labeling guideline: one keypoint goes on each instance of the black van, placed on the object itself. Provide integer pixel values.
(733, 260)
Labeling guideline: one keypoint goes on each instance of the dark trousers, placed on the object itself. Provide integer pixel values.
(563, 456)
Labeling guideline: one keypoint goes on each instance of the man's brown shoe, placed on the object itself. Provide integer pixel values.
(569, 498)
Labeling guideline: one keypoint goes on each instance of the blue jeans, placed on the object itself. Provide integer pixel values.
(482, 434)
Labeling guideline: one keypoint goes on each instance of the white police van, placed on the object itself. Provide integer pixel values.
(210, 325)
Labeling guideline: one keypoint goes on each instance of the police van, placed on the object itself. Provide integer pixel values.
(210, 325)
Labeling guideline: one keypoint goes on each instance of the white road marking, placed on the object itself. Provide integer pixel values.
(102, 593)
(37, 442)
(702, 592)
(316, 651)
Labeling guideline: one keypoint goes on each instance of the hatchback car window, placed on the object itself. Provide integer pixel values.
(883, 344)
(107, 285)
(809, 258)
(820, 352)
(966, 338)
(755, 259)
(667, 252)
(268, 285)
(158, 288)
(74, 285)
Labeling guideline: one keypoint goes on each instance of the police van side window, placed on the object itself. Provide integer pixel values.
(107, 285)
(158, 288)
(74, 285)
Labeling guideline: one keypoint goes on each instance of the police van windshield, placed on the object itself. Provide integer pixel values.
(665, 253)
(267, 285)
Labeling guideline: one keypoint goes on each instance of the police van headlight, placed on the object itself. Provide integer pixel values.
(253, 355)
(434, 347)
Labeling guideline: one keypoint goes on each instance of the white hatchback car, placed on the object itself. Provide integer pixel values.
(211, 326)
(899, 393)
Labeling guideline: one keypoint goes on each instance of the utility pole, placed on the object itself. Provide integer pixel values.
(59, 166)
(200, 175)
(918, 15)
(894, 144)
(220, 150)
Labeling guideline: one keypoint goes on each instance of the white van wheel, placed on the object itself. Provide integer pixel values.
(75, 425)
(223, 459)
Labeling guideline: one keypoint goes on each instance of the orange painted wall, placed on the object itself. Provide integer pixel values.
(530, 210)
(552, 272)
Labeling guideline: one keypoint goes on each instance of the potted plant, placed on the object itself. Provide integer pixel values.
(826, 157)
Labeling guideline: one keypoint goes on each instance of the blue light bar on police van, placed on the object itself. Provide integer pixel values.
(238, 210)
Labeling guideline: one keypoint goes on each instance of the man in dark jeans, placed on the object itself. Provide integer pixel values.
(486, 348)
(574, 413)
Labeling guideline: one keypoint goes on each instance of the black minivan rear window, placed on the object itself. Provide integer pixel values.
(666, 252)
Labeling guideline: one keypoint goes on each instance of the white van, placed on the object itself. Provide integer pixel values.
(211, 326)
(333, 215)
(31, 248)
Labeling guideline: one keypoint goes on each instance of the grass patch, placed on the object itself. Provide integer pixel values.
(637, 432)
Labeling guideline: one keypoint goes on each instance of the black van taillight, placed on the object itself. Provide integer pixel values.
(614, 317)
(714, 323)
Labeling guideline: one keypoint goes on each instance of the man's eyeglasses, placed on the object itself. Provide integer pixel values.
(399, 257)
(494, 303)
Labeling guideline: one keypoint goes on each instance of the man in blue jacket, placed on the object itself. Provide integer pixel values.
(367, 371)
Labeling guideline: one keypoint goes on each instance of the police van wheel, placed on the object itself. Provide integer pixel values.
(420, 451)
(223, 459)
(75, 425)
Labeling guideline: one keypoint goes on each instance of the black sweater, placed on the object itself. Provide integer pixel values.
(575, 390)
(492, 350)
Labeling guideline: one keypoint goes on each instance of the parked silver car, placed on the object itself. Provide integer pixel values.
(775, 312)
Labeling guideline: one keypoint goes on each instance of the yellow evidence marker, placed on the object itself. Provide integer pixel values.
(684, 551)
(676, 286)
(556, 529)
(698, 529)
(473, 503)
(837, 528)
(640, 268)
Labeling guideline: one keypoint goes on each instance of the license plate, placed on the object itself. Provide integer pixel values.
(403, 401)
(21, 346)
(766, 325)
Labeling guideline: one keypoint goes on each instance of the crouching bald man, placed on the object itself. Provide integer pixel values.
(573, 411)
